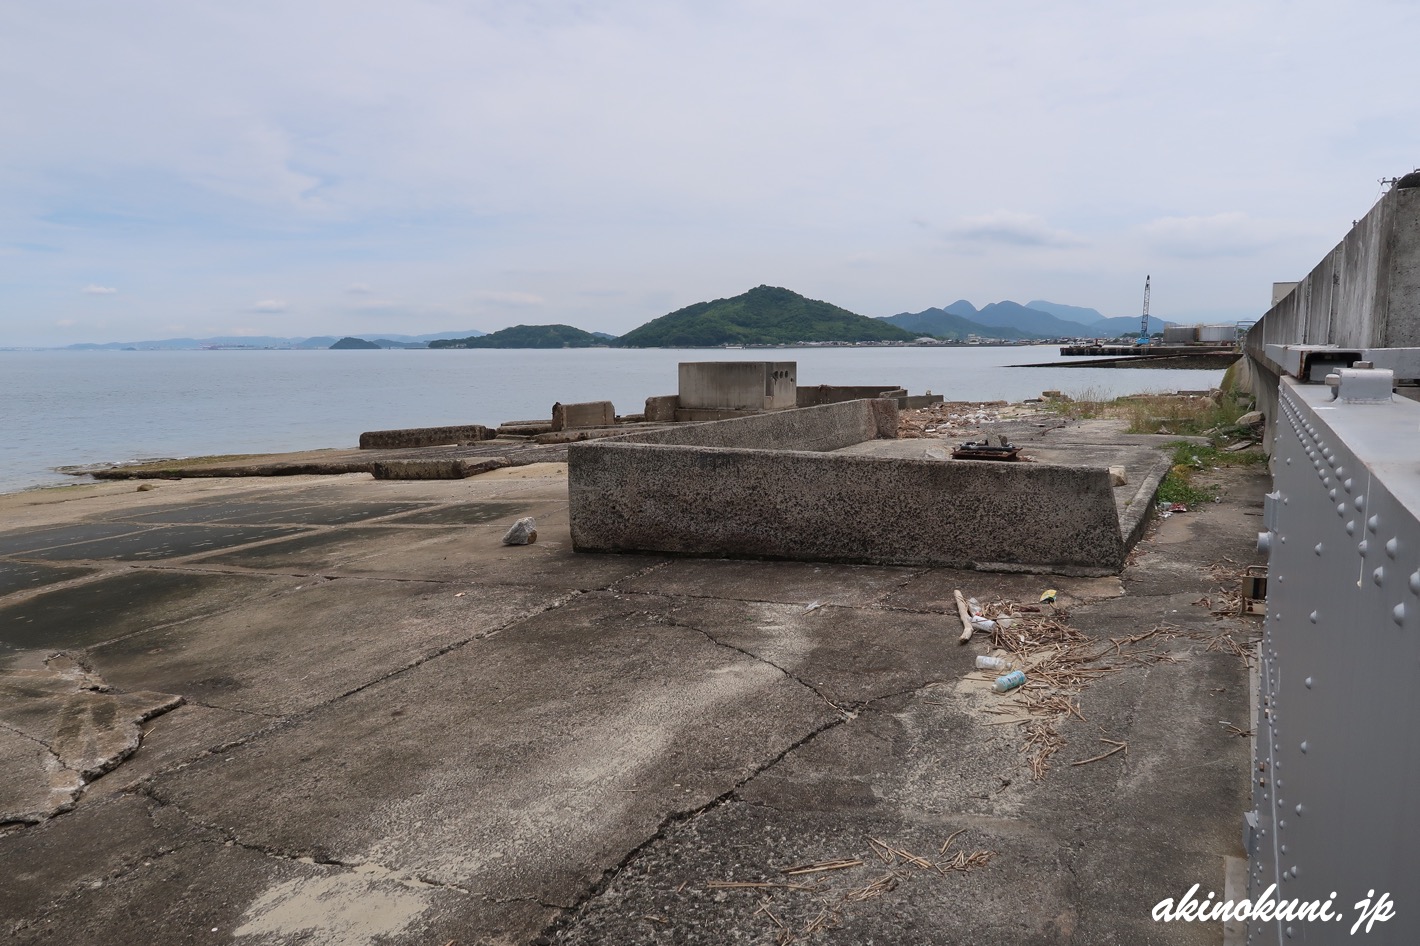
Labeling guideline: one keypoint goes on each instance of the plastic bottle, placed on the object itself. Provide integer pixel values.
(1010, 681)
(992, 663)
(983, 624)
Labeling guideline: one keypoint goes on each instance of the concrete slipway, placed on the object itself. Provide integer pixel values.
(393, 729)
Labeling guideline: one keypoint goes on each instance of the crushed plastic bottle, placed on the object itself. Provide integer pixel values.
(974, 607)
(983, 624)
(992, 663)
(1009, 682)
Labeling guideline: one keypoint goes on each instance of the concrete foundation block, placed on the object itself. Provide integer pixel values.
(424, 437)
(435, 469)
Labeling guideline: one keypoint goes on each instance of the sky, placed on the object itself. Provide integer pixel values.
(317, 167)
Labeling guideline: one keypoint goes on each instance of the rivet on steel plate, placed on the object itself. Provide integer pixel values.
(1361, 547)
(1372, 522)
(1341, 471)
(1308, 680)
(1318, 548)
(1313, 617)
(1392, 546)
(1341, 509)
(1298, 809)
(1378, 576)
(1351, 527)
(1303, 748)
(1293, 873)
(1397, 614)
(1331, 493)
(1283, 823)
(1359, 502)
(1347, 483)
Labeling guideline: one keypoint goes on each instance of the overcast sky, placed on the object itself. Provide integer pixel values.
(304, 167)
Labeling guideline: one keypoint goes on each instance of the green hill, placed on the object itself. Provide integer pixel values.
(765, 315)
(526, 336)
(356, 343)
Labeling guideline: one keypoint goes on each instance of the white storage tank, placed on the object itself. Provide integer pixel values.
(1217, 333)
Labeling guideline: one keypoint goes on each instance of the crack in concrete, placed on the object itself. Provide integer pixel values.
(600, 885)
(221, 835)
(668, 622)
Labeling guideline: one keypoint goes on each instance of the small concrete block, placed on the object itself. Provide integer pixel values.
(588, 414)
(455, 469)
(1250, 419)
(1117, 476)
(661, 410)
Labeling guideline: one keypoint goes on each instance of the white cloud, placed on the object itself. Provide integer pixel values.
(92, 290)
(359, 289)
(1011, 228)
(270, 305)
(1233, 233)
(509, 298)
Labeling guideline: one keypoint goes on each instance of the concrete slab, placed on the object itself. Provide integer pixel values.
(273, 513)
(847, 655)
(113, 607)
(466, 514)
(163, 542)
(794, 582)
(471, 555)
(1023, 895)
(173, 739)
(29, 541)
(289, 653)
(577, 732)
(932, 591)
(214, 891)
(25, 576)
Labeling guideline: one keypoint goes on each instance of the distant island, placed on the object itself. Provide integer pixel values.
(527, 336)
(766, 315)
(348, 342)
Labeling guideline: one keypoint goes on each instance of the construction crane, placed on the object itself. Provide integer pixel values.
(1144, 319)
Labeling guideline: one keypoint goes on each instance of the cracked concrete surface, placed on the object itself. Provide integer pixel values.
(62, 726)
(399, 731)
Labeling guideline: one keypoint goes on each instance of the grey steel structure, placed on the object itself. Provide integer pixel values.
(1338, 726)
(1338, 715)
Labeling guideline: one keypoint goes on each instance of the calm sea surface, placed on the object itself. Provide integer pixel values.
(60, 408)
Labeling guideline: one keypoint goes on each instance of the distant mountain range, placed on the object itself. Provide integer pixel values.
(765, 315)
(1011, 320)
(269, 341)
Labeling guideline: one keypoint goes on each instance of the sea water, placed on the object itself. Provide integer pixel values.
(60, 408)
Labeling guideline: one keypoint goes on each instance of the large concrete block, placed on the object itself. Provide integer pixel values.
(424, 437)
(768, 486)
(738, 385)
(716, 501)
